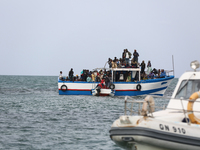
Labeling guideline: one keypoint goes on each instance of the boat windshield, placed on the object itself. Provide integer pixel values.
(187, 88)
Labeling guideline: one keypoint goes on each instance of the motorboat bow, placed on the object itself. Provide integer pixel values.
(176, 127)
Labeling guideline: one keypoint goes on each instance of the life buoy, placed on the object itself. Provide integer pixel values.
(138, 87)
(192, 117)
(63, 88)
(112, 86)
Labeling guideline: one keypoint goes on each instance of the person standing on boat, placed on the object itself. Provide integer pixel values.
(71, 74)
(124, 55)
(110, 62)
(143, 65)
(93, 77)
(60, 76)
(114, 64)
(97, 79)
(135, 55)
(149, 69)
(107, 81)
(118, 63)
(127, 56)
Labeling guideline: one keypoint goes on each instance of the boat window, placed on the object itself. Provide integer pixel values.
(186, 89)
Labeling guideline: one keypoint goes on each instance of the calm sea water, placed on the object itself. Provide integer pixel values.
(34, 116)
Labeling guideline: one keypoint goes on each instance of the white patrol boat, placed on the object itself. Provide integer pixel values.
(176, 127)
(135, 87)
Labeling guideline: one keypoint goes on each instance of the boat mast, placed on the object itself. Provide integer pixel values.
(173, 64)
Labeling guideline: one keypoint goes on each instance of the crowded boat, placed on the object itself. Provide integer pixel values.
(125, 70)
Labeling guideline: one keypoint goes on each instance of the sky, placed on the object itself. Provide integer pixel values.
(43, 37)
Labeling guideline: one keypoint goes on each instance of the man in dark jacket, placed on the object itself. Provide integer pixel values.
(135, 55)
(71, 74)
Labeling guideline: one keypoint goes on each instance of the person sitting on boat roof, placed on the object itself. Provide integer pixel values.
(135, 55)
(115, 59)
(114, 64)
(60, 76)
(134, 64)
(162, 74)
(119, 65)
(123, 65)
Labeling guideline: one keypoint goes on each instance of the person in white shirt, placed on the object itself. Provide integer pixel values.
(60, 76)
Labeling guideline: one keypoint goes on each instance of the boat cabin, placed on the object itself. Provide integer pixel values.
(188, 84)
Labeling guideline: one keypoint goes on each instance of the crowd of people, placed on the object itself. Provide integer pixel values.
(124, 62)
(86, 75)
(127, 62)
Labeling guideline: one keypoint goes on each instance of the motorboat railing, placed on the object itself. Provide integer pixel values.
(140, 111)
(139, 104)
(184, 111)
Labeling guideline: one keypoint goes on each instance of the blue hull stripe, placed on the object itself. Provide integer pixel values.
(117, 93)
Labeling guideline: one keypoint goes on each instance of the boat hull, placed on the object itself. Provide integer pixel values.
(153, 87)
(140, 132)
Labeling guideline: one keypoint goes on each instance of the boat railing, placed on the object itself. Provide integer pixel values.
(139, 104)
(183, 110)
(169, 71)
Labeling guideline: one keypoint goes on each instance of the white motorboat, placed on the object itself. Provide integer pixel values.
(176, 127)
